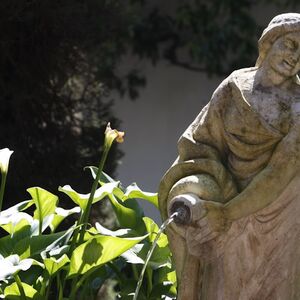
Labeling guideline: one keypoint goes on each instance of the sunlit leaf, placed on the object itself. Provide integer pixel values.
(61, 214)
(152, 229)
(12, 292)
(131, 255)
(161, 254)
(53, 265)
(59, 244)
(24, 243)
(14, 222)
(8, 244)
(129, 213)
(99, 250)
(82, 199)
(15, 209)
(105, 231)
(57, 252)
(45, 203)
(133, 191)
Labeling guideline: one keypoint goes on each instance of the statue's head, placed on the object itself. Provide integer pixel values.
(282, 33)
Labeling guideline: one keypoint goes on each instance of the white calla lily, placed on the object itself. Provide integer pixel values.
(4, 159)
(4, 162)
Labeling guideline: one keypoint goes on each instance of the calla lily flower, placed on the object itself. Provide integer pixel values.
(113, 134)
(13, 264)
(4, 160)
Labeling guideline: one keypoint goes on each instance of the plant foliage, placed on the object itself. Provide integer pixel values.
(40, 261)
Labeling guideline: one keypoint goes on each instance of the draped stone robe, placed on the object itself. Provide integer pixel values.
(259, 256)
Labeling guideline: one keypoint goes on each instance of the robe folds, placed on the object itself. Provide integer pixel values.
(258, 258)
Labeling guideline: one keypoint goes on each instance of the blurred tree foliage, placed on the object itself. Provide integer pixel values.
(59, 62)
(215, 37)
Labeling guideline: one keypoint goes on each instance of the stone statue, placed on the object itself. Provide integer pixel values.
(238, 173)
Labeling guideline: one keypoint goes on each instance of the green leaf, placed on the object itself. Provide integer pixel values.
(24, 243)
(82, 199)
(58, 245)
(13, 223)
(8, 244)
(98, 251)
(15, 209)
(61, 214)
(152, 229)
(12, 216)
(131, 255)
(120, 232)
(53, 265)
(165, 283)
(133, 191)
(129, 214)
(12, 292)
(45, 203)
(161, 254)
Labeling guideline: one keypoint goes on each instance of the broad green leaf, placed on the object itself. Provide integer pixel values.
(15, 222)
(45, 202)
(82, 199)
(104, 231)
(129, 214)
(165, 283)
(12, 292)
(98, 251)
(61, 214)
(166, 274)
(58, 245)
(57, 252)
(24, 243)
(15, 209)
(131, 255)
(161, 254)
(8, 244)
(33, 246)
(153, 229)
(53, 265)
(133, 191)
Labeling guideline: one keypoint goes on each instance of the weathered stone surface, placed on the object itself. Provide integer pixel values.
(241, 156)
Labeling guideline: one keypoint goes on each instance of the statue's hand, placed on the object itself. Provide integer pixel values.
(210, 225)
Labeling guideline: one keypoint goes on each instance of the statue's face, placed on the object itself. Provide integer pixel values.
(284, 55)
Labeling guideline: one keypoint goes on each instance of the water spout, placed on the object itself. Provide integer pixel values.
(189, 208)
(161, 229)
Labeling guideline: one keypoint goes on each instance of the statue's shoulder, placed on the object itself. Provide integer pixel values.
(238, 80)
(243, 78)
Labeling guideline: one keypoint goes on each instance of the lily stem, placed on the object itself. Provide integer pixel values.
(2, 188)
